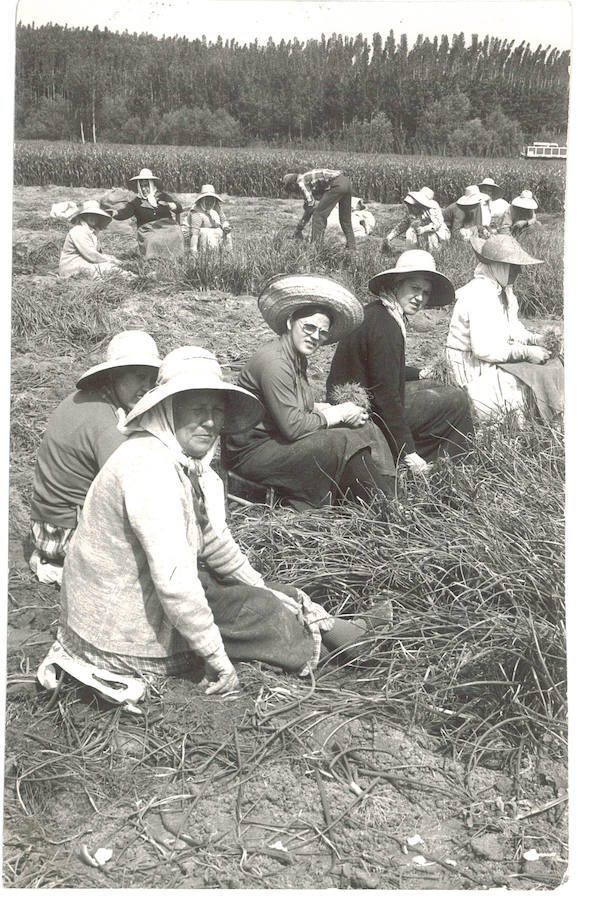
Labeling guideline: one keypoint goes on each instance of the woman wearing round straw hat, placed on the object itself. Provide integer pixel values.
(207, 226)
(81, 435)
(422, 225)
(497, 205)
(420, 419)
(521, 214)
(134, 599)
(469, 215)
(312, 453)
(485, 332)
(81, 252)
(157, 218)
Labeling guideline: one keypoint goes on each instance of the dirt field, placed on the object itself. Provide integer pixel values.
(289, 784)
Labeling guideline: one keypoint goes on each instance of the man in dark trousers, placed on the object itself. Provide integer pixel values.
(321, 190)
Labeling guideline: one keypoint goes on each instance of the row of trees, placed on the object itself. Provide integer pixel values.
(438, 95)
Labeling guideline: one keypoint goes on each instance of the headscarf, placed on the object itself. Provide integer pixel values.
(151, 197)
(498, 273)
(214, 213)
(395, 309)
(206, 484)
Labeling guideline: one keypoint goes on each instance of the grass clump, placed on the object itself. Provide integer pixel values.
(472, 561)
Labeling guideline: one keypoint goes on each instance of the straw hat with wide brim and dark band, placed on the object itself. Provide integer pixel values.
(128, 348)
(472, 196)
(88, 208)
(410, 263)
(425, 197)
(490, 183)
(207, 190)
(282, 295)
(196, 369)
(145, 175)
(525, 200)
(502, 248)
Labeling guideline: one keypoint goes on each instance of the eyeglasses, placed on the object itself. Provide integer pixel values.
(311, 330)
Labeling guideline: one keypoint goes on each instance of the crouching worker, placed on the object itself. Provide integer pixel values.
(81, 252)
(81, 435)
(134, 598)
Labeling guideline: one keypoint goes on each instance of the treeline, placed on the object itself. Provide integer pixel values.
(436, 96)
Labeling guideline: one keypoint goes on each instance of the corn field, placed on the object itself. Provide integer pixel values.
(381, 178)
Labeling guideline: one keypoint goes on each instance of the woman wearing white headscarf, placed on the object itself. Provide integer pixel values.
(157, 213)
(485, 332)
(207, 224)
(153, 577)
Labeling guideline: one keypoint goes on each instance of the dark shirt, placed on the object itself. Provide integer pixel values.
(80, 436)
(455, 217)
(144, 212)
(374, 356)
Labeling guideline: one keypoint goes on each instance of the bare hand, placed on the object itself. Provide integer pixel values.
(416, 464)
(221, 678)
(353, 415)
(537, 355)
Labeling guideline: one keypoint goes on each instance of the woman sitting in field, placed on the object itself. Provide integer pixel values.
(81, 253)
(468, 216)
(313, 453)
(153, 578)
(157, 213)
(81, 435)
(420, 419)
(420, 223)
(496, 205)
(207, 225)
(486, 341)
(520, 215)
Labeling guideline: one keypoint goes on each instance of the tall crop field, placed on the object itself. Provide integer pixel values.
(383, 178)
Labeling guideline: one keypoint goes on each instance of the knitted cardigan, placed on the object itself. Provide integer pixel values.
(130, 583)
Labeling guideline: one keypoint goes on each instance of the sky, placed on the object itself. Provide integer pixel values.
(535, 21)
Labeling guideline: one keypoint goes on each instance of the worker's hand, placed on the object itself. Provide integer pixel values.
(353, 415)
(538, 340)
(167, 203)
(220, 674)
(309, 204)
(416, 464)
(537, 355)
(226, 228)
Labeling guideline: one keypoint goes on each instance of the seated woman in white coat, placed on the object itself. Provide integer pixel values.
(81, 253)
(485, 332)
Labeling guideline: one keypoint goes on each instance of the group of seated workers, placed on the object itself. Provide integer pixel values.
(125, 497)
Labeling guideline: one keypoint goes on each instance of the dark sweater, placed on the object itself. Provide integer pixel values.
(374, 356)
(144, 212)
(80, 436)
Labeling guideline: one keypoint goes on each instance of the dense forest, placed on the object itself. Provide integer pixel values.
(436, 96)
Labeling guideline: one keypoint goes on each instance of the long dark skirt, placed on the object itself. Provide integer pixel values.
(253, 623)
(439, 417)
(160, 239)
(308, 471)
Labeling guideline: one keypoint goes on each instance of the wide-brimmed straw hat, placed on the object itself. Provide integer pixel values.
(425, 197)
(196, 369)
(502, 248)
(416, 262)
(88, 208)
(472, 196)
(127, 348)
(207, 190)
(489, 182)
(282, 295)
(145, 175)
(525, 200)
